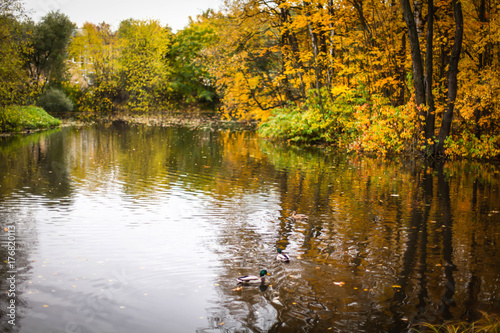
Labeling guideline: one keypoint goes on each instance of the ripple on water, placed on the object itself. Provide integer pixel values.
(169, 226)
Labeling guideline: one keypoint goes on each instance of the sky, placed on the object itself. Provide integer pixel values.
(174, 13)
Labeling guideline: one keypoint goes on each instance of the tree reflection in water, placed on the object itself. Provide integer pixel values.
(388, 243)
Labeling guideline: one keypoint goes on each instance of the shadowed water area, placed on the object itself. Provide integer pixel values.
(145, 229)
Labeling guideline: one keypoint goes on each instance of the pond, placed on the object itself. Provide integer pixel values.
(146, 229)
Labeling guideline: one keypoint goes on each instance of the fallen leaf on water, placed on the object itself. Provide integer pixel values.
(396, 286)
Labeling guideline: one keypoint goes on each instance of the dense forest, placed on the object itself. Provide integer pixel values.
(382, 77)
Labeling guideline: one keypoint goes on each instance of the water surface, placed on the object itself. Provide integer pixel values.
(145, 229)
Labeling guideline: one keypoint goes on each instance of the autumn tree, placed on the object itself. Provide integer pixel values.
(93, 54)
(13, 46)
(456, 52)
(141, 65)
(247, 62)
(477, 129)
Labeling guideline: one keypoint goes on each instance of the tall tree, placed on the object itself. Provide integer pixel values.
(93, 56)
(445, 129)
(13, 44)
(186, 59)
(142, 70)
(430, 117)
(50, 42)
(416, 56)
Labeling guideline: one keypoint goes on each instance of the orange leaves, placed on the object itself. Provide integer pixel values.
(270, 56)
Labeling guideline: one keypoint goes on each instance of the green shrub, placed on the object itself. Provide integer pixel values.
(323, 120)
(55, 101)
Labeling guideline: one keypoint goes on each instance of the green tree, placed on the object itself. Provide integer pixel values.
(50, 42)
(187, 60)
(13, 44)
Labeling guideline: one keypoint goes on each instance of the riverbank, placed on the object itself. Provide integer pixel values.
(16, 119)
(192, 118)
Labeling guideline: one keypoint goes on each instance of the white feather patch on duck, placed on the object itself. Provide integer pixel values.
(282, 256)
(252, 279)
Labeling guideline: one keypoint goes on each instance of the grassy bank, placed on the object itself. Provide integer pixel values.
(19, 118)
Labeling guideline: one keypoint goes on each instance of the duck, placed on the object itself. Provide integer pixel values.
(282, 256)
(252, 279)
(298, 217)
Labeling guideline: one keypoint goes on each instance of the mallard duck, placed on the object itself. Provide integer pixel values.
(282, 256)
(252, 279)
(298, 217)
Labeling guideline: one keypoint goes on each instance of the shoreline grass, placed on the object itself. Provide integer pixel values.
(487, 323)
(19, 118)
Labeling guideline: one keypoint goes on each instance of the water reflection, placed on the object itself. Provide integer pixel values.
(130, 227)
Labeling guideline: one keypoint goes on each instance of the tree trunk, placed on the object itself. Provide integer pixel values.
(431, 117)
(416, 57)
(331, 51)
(288, 39)
(315, 48)
(401, 70)
(483, 61)
(283, 42)
(358, 4)
(452, 77)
